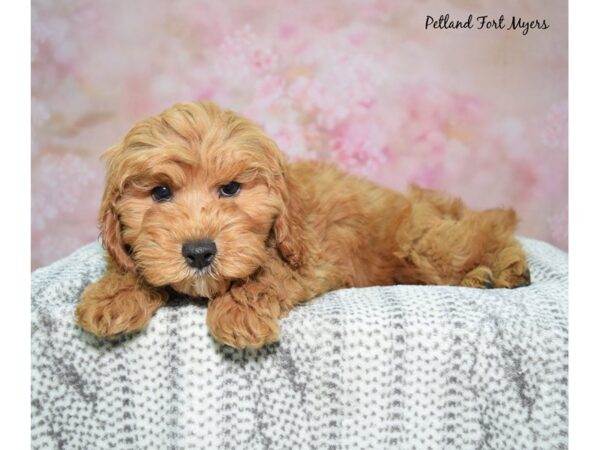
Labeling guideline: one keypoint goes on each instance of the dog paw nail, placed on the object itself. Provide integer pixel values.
(488, 284)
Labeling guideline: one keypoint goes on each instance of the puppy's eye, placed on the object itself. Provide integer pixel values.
(161, 194)
(229, 189)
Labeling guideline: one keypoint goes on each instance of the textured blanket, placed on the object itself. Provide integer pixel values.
(382, 367)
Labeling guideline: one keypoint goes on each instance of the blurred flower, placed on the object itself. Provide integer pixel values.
(559, 226)
(555, 129)
(359, 148)
(65, 199)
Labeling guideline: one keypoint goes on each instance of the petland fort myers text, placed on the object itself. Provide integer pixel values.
(445, 22)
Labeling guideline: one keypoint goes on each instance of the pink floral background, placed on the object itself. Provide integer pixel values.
(480, 113)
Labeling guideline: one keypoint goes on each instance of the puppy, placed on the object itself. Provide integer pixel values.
(201, 200)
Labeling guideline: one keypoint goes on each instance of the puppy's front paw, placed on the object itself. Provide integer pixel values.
(105, 312)
(240, 323)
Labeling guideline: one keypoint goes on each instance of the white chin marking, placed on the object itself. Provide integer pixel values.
(202, 272)
(202, 286)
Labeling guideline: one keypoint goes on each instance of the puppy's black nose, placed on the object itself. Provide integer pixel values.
(199, 254)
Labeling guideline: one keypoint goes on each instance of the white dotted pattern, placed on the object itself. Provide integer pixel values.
(383, 367)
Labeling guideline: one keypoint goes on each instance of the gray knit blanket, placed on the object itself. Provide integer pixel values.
(383, 367)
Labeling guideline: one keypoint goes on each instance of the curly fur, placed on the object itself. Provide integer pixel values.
(294, 231)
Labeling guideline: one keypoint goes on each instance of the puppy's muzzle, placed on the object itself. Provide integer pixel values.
(199, 254)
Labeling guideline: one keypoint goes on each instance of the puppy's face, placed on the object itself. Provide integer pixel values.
(192, 198)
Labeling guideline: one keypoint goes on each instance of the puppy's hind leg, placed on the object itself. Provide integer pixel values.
(503, 256)
(447, 252)
(510, 267)
(479, 277)
(472, 249)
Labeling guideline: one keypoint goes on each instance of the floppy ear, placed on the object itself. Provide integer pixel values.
(290, 236)
(108, 219)
(110, 232)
